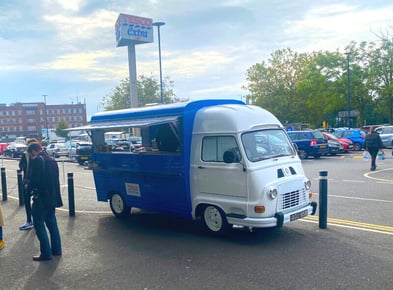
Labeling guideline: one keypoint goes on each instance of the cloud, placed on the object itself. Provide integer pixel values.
(339, 24)
(94, 28)
(73, 5)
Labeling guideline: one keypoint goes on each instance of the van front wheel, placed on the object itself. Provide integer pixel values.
(119, 206)
(214, 220)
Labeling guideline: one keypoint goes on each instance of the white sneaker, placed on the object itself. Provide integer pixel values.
(26, 226)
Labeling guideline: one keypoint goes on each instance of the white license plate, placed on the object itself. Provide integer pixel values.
(298, 215)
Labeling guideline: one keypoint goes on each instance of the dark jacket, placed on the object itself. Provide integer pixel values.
(373, 140)
(44, 182)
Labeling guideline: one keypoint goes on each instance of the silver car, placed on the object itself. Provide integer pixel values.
(57, 149)
(386, 133)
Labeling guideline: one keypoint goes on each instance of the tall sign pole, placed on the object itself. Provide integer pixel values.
(132, 76)
(159, 24)
(348, 91)
(46, 119)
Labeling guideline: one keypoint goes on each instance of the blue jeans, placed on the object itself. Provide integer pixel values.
(27, 200)
(46, 216)
(1, 233)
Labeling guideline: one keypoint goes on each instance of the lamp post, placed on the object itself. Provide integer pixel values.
(46, 119)
(348, 91)
(159, 24)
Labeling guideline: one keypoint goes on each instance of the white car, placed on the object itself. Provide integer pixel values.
(386, 134)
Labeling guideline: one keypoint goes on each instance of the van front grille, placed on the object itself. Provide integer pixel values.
(291, 199)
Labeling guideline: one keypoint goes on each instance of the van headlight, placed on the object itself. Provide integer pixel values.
(307, 184)
(273, 192)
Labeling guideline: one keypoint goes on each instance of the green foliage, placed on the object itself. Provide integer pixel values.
(312, 87)
(148, 93)
(60, 128)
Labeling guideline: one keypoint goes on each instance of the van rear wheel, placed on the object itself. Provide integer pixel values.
(214, 220)
(119, 206)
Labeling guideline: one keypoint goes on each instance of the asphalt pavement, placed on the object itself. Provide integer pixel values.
(152, 251)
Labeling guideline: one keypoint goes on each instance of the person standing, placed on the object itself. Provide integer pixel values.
(373, 144)
(2, 244)
(44, 185)
(24, 166)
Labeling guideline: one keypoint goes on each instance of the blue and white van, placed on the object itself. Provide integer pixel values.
(221, 161)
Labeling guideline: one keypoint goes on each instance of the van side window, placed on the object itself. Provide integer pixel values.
(166, 138)
(213, 148)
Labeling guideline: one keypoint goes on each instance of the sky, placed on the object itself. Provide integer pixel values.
(66, 49)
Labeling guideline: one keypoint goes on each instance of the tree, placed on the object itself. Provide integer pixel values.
(60, 128)
(148, 92)
(319, 89)
(382, 71)
(273, 85)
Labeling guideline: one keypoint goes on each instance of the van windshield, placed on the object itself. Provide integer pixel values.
(266, 144)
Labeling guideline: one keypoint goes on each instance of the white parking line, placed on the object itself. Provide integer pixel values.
(356, 198)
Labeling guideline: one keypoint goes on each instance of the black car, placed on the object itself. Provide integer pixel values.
(15, 150)
(81, 151)
(335, 147)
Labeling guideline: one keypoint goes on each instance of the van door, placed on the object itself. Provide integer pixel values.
(216, 177)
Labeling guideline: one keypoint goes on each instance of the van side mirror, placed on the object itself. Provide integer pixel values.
(229, 157)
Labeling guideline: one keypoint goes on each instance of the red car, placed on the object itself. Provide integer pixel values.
(347, 144)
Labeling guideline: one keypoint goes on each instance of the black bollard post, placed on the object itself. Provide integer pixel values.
(20, 188)
(71, 199)
(323, 199)
(3, 183)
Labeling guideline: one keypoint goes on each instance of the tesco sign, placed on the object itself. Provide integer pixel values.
(132, 29)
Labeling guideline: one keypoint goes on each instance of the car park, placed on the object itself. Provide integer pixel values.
(57, 149)
(309, 143)
(386, 134)
(357, 136)
(15, 150)
(347, 145)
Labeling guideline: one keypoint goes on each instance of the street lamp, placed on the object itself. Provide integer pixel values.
(159, 24)
(46, 119)
(348, 91)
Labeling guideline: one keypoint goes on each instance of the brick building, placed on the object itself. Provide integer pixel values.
(31, 119)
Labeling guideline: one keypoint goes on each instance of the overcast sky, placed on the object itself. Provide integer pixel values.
(66, 49)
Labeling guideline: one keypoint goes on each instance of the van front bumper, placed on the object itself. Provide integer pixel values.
(277, 221)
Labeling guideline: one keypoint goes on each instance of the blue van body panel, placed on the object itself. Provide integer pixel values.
(163, 179)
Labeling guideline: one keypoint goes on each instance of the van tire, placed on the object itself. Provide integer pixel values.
(119, 206)
(214, 220)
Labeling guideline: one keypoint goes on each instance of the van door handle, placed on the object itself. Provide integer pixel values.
(201, 167)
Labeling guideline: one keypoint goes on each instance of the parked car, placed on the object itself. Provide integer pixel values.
(15, 150)
(386, 134)
(346, 143)
(357, 136)
(137, 142)
(309, 143)
(57, 149)
(3, 146)
(335, 147)
(80, 151)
